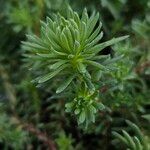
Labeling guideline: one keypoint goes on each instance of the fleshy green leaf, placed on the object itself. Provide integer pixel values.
(65, 84)
(103, 45)
(120, 137)
(95, 64)
(50, 75)
(58, 64)
(129, 139)
(82, 117)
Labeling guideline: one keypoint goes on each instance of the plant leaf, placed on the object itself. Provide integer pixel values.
(51, 74)
(65, 84)
(82, 117)
(103, 45)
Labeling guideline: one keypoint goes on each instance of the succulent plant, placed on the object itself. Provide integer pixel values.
(68, 47)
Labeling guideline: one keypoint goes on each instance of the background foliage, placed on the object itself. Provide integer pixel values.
(34, 118)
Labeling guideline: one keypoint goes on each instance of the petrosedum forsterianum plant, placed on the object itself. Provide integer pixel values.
(136, 142)
(68, 47)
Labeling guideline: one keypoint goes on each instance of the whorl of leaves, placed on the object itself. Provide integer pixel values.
(67, 46)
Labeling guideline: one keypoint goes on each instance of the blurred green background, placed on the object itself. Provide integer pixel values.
(34, 118)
